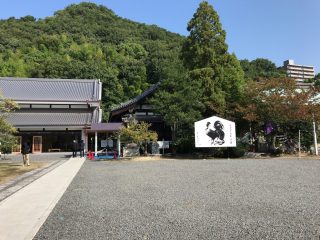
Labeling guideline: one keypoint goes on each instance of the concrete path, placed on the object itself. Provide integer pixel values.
(23, 213)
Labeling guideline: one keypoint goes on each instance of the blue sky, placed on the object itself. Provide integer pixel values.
(273, 29)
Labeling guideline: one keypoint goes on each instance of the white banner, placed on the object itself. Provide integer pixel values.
(215, 132)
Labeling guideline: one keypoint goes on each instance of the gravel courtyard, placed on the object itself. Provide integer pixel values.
(190, 199)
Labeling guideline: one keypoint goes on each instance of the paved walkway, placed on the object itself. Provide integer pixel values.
(23, 213)
(14, 185)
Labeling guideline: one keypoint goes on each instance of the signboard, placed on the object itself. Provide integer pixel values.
(110, 143)
(215, 132)
(164, 144)
(107, 143)
(104, 143)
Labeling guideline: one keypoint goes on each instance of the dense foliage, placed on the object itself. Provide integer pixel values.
(208, 82)
(317, 80)
(279, 100)
(260, 68)
(7, 139)
(88, 41)
(205, 55)
(139, 133)
(277, 103)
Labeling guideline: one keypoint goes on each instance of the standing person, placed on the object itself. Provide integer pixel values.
(25, 154)
(140, 150)
(81, 148)
(74, 148)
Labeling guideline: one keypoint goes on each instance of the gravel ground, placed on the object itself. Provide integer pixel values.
(190, 199)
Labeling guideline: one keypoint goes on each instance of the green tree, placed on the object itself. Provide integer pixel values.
(7, 138)
(178, 101)
(260, 68)
(138, 133)
(206, 42)
(132, 68)
(317, 80)
(205, 55)
(207, 80)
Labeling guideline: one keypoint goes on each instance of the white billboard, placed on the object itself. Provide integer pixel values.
(215, 132)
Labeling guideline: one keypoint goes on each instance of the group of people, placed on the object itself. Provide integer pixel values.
(25, 150)
(78, 146)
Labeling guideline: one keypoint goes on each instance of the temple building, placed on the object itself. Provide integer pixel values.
(53, 112)
(140, 110)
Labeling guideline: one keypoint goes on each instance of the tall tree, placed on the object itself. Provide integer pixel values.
(178, 101)
(206, 42)
(208, 78)
(7, 138)
(205, 54)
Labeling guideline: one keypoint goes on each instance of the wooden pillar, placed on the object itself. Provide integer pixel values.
(119, 146)
(95, 143)
(84, 137)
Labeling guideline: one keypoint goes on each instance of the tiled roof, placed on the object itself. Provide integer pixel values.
(135, 100)
(42, 89)
(106, 127)
(48, 117)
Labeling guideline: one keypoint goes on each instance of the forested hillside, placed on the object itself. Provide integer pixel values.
(89, 41)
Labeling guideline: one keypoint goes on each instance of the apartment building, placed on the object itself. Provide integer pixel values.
(299, 72)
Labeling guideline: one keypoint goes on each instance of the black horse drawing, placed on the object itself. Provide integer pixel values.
(216, 135)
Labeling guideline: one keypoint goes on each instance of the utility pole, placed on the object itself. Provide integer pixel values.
(315, 137)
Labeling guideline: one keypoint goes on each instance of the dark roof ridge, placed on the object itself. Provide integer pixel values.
(150, 90)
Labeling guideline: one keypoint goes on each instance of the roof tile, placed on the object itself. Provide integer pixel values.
(48, 117)
(41, 89)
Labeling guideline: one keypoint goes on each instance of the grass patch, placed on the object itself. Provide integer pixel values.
(9, 171)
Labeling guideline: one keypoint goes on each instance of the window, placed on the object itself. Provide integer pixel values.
(40, 106)
(60, 106)
(80, 106)
(24, 105)
(146, 107)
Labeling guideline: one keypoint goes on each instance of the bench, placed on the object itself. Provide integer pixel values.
(54, 150)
